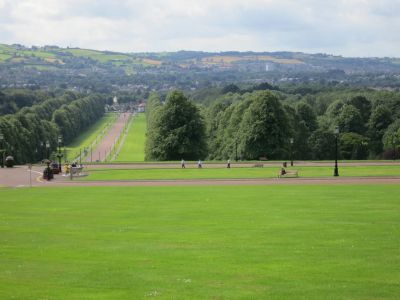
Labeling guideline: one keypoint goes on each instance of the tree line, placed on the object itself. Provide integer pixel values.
(273, 125)
(27, 131)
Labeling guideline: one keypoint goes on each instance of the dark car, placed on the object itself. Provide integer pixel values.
(9, 162)
(55, 168)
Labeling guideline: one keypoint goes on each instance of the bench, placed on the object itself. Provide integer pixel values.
(258, 165)
(262, 158)
(289, 174)
(76, 171)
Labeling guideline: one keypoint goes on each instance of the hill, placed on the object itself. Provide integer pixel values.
(86, 69)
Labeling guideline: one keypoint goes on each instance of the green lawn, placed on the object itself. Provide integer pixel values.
(87, 137)
(133, 148)
(214, 173)
(258, 242)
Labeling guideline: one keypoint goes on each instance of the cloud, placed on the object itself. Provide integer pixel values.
(352, 27)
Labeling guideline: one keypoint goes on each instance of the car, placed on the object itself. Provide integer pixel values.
(55, 168)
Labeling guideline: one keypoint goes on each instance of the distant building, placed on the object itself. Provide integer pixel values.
(142, 107)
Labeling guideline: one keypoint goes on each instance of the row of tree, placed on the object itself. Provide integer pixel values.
(266, 124)
(27, 131)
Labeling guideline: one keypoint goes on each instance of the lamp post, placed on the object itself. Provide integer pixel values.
(394, 148)
(236, 156)
(336, 171)
(47, 149)
(59, 154)
(291, 151)
(3, 151)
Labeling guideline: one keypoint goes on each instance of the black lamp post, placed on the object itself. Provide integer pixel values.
(2, 150)
(394, 148)
(59, 154)
(236, 155)
(47, 149)
(336, 171)
(291, 151)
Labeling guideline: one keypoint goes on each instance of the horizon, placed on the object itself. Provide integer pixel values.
(354, 28)
(199, 51)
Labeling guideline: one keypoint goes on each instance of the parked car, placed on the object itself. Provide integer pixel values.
(9, 162)
(55, 168)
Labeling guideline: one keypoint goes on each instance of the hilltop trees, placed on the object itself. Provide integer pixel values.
(176, 131)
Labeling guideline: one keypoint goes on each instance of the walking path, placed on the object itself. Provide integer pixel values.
(20, 177)
(105, 147)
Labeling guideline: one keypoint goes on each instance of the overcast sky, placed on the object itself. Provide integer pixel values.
(343, 27)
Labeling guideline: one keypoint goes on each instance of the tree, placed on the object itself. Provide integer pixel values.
(305, 124)
(178, 131)
(381, 118)
(264, 129)
(322, 143)
(353, 146)
(363, 105)
(350, 120)
(391, 138)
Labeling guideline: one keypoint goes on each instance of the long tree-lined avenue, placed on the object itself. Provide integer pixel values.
(107, 145)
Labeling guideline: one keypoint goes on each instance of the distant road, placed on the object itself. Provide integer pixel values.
(103, 149)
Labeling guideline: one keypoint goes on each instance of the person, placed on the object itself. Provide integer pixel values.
(229, 164)
(183, 164)
(66, 168)
(199, 164)
(283, 171)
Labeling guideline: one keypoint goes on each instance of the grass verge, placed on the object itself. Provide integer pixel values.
(89, 136)
(133, 147)
(220, 173)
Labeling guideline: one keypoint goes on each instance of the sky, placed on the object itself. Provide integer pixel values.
(357, 28)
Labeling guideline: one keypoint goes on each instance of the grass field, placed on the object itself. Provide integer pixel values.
(86, 138)
(214, 173)
(133, 148)
(260, 242)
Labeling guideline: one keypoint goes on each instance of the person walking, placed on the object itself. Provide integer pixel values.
(183, 164)
(199, 164)
(228, 164)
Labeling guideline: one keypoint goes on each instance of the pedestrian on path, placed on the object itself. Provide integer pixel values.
(228, 164)
(183, 164)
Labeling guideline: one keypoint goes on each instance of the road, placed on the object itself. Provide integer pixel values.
(103, 149)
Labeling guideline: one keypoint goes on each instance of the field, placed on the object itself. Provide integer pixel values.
(260, 242)
(133, 147)
(86, 138)
(219, 173)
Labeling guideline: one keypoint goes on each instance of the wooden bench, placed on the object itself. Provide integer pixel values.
(262, 158)
(289, 174)
(258, 165)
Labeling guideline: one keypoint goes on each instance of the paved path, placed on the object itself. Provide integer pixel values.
(103, 149)
(168, 165)
(19, 177)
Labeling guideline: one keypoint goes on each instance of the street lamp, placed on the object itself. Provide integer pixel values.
(336, 171)
(2, 150)
(236, 155)
(394, 148)
(47, 149)
(59, 154)
(291, 151)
